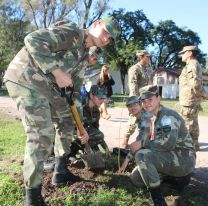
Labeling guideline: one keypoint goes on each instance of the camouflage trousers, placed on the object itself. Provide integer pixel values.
(96, 137)
(151, 165)
(48, 124)
(190, 115)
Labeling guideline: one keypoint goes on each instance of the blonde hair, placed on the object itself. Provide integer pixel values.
(102, 73)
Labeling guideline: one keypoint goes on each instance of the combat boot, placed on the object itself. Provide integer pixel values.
(61, 174)
(157, 197)
(34, 197)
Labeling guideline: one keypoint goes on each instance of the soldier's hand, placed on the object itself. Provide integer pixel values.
(83, 138)
(123, 166)
(62, 79)
(135, 146)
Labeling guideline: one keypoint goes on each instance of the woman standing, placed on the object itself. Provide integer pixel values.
(105, 81)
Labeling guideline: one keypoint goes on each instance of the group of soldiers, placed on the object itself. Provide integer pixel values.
(166, 145)
(57, 56)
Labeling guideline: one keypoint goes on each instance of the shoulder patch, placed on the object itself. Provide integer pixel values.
(165, 121)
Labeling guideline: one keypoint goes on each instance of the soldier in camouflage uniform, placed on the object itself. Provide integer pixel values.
(136, 115)
(91, 117)
(139, 75)
(51, 56)
(165, 147)
(138, 118)
(191, 91)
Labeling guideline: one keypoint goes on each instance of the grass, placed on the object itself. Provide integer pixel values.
(3, 92)
(12, 140)
(11, 131)
(10, 192)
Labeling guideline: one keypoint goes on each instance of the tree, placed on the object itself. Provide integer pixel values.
(12, 32)
(168, 40)
(88, 11)
(135, 28)
(45, 12)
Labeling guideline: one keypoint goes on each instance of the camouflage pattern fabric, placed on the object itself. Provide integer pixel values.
(190, 96)
(135, 123)
(167, 149)
(138, 76)
(191, 84)
(91, 117)
(45, 115)
(190, 115)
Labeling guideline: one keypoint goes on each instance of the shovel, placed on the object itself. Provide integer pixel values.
(91, 159)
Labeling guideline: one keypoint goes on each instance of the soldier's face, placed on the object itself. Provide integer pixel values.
(92, 60)
(99, 33)
(151, 104)
(135, 109)
(186, 55)
(146, 59)
(96, 100)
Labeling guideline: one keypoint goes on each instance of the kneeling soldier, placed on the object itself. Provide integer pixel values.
(165, 147)
(91, 117)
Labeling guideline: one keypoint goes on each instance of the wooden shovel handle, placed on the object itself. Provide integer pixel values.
(77, 119)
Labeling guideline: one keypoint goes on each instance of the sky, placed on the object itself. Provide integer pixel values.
(191, 14)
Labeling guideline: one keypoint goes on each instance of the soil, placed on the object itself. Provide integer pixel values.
(88, 183)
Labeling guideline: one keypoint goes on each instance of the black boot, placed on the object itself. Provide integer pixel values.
(34, 197)
(178, 183)
(157, 197)
(61, 174)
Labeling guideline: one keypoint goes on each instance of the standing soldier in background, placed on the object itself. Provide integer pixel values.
(139, 75)
(51, 56)
(191, 91)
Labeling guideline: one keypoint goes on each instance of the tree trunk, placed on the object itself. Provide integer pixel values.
(123, 81)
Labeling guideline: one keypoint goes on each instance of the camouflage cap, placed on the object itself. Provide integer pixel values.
(132, 100)
(148, 91)
(142, 52)
(98, 92)
(188, 48)
(112, 26)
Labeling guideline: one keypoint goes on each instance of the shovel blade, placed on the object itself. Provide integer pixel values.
(93, 160)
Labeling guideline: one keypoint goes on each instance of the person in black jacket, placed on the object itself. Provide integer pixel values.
(105, 81)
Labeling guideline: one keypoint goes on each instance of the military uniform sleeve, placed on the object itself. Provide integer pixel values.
(131, 126)
(133, 81)
(44, 46)
(195, 74)
(144, 133)
(165, 136)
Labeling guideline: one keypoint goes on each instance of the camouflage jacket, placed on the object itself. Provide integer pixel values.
(91, 116)
(138, 76)
(166, 132)
(191, 84)
(46, 50)
(135, 122)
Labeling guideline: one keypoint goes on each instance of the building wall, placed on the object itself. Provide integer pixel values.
(117, 87)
